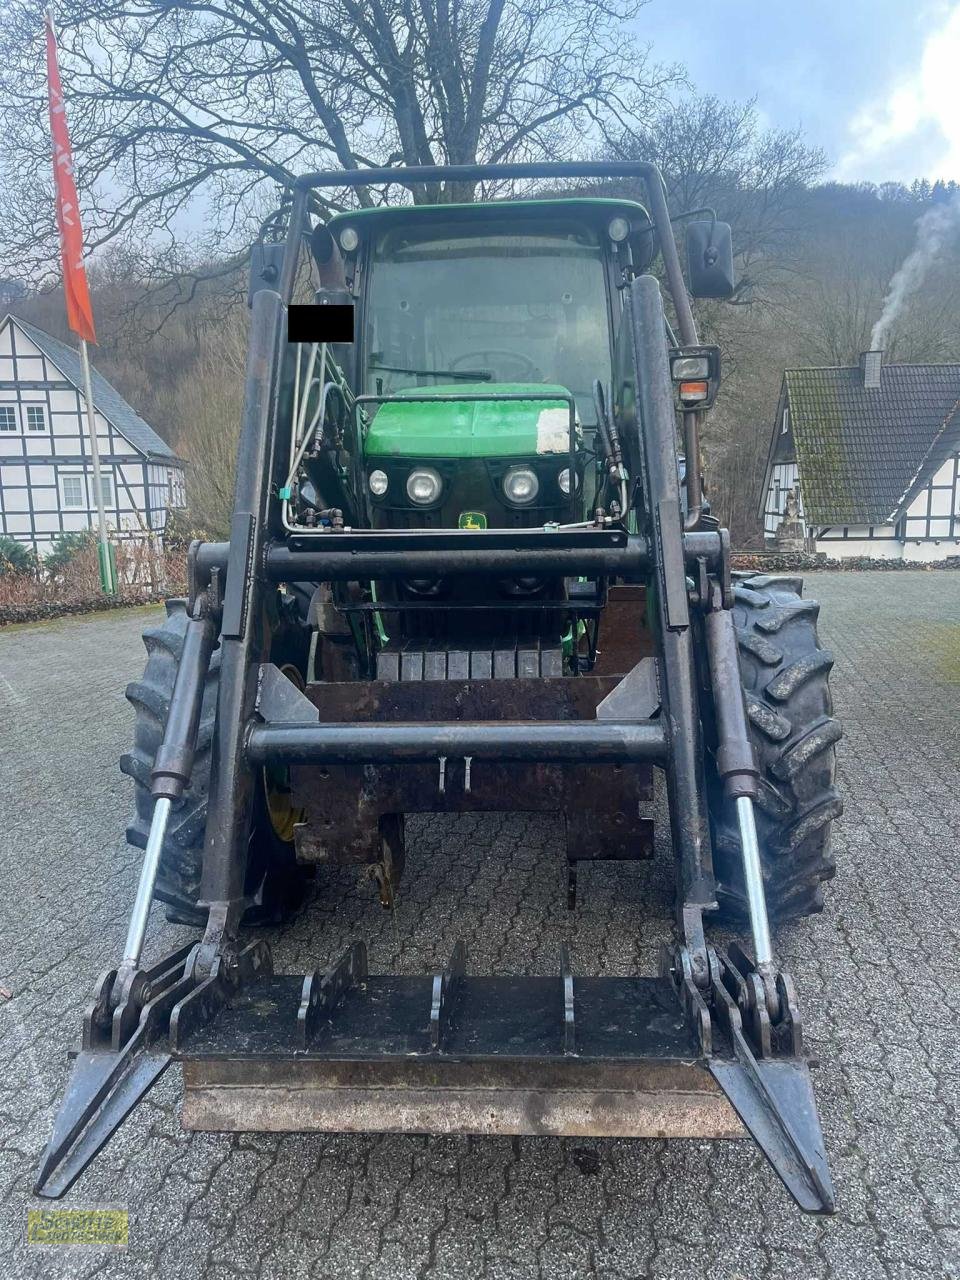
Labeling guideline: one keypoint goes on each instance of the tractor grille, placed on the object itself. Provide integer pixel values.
(468, 486)
(504, 662)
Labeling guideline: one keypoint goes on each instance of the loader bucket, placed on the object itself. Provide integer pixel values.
(453, 1053)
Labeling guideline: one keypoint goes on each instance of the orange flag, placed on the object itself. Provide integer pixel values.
(79, 311)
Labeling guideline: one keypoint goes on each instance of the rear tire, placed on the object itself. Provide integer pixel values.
(274, 883)
(790, 713)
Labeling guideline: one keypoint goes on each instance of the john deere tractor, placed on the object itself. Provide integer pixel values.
(472, 566)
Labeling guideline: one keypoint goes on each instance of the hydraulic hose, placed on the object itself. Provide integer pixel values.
(610, 439)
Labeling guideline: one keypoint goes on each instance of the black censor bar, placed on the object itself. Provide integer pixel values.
(332, 322)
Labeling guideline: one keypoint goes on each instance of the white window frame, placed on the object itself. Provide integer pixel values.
(44, 421)
(11, 408)
(785, 426)
(176, 498)
(106, 480)
(86, 480)
(64, 503)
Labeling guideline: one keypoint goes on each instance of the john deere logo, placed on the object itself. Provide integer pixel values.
(472, 520)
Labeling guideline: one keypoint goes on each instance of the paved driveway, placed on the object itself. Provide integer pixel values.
(878, 975)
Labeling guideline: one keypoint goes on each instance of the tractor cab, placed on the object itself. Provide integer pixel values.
(481, 332)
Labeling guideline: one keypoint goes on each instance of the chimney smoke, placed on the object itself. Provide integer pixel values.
(935, 228)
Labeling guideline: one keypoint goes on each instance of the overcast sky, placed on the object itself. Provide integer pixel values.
(876, 83)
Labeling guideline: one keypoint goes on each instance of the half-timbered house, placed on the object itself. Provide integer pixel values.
(872, 456)
(46, 474)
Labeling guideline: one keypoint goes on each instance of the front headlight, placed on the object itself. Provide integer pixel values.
(424, 486)
(378, 483)
(520, 484)
(684, 367)
(618, 229)
(563, 481)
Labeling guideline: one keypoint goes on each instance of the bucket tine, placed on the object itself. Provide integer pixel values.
(103, 1090)
(774, 1099)
(569, 1015)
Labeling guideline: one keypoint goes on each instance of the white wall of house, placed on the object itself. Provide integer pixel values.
(879, 542)
(935, 511)
(928, 531)
(46, 476)
(887, 548)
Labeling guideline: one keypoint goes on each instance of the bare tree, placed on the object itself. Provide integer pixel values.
(207, 405)
(186, 112)
(850, 260)
(716, 154)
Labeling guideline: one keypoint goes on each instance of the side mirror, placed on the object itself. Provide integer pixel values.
(710, 259)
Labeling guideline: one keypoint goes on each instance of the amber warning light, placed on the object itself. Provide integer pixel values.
(696, 376)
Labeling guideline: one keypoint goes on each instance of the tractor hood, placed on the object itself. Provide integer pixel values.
(410, 426)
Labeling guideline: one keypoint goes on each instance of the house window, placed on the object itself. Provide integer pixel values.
(72, 494)
(786, 422)
(73, 491)
(106, 488)
(175, 496)
(36, 418)
(8, 417)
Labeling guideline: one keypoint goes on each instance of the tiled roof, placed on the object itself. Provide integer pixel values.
(107, 399)
(864, 453)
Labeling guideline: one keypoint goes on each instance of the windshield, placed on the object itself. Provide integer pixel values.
(451, 303)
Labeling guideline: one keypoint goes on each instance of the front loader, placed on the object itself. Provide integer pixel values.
(470, 569)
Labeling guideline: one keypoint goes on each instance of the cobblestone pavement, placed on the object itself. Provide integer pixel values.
(876, 974)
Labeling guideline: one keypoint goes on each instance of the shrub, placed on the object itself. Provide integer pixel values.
(64, 550)
(15, 557)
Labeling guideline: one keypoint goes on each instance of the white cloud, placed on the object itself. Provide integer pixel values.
(917, 123)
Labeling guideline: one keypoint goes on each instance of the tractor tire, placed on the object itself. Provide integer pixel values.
(274, 883)
(785, 679)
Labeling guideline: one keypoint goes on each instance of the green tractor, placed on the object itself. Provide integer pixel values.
(472, 568)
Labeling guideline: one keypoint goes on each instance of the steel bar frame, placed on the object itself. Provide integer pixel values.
(243, 642)
(542, 741)
(361, 554)
(679, 687)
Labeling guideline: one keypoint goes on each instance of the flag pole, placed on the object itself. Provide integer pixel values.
(75, 291)
(106, 564)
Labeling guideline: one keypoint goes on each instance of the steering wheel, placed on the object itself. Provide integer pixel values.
(485, 358)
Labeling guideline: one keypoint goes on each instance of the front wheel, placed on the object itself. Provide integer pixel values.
(785, 679)
(274, 884)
